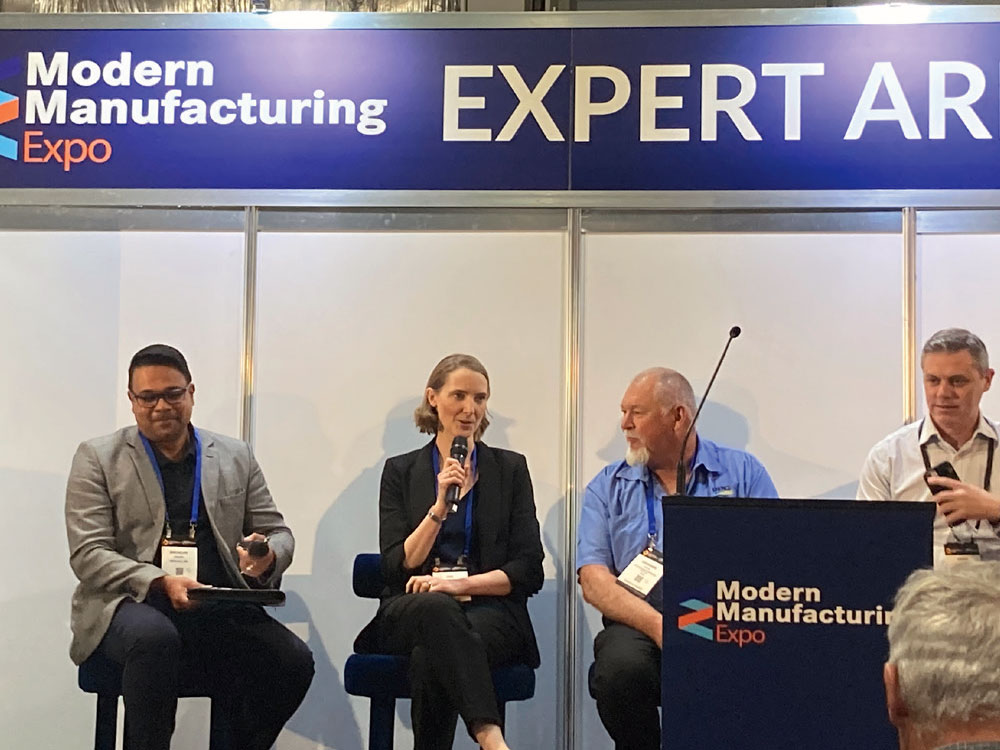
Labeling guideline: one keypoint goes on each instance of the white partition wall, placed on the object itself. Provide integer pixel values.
(353, 309)
(74, 306)
(958, 277)
(809, 386)
(349, 326)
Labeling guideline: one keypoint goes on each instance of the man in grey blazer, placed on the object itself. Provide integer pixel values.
(158, 509)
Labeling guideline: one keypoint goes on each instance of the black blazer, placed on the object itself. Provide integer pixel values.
(504, 519)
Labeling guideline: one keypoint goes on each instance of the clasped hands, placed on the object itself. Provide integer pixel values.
(424, 584)
(959, 501)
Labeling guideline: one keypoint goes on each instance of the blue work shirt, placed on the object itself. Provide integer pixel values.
(614, 525)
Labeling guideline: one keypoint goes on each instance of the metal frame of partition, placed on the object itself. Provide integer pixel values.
(902, 212)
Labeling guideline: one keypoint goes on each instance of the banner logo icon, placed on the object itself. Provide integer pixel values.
(691, 621)
(10, 107)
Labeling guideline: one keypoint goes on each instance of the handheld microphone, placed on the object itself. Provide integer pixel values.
(258, 548)
(459, 451)
(681, 487)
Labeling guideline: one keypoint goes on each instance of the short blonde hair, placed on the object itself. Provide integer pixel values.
(425, 416)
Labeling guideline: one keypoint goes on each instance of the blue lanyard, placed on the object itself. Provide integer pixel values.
(436, 454)
(649, 513)
(195, 492)
(650, 500)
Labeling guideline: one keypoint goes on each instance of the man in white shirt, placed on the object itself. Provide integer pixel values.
(956, 374)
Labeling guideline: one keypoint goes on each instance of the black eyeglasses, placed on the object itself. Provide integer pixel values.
(149, 399)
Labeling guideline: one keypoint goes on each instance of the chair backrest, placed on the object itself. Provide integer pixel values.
(367, 578)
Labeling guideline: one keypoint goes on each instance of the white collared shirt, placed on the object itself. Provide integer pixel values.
(894, 470)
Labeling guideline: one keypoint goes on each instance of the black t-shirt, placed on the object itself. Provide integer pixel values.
(178, 486)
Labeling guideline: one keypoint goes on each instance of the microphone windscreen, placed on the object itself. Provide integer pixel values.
(735, 331)
(459, 448)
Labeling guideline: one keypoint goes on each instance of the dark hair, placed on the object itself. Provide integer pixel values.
(425, 416)
(159, 354)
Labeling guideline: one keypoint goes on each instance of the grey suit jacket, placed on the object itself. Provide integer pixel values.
(114, 520)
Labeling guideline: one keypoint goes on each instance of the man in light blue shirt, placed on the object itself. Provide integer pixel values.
(622, 516)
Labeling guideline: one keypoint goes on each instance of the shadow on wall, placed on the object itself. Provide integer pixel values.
(533, 723)
(592, 735)
(729, 427)
(38, 675)
(324, 600)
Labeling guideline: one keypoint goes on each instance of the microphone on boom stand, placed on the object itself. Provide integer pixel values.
(681, 486)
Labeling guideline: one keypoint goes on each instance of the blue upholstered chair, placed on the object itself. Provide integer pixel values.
(384, 678)
(103, 677)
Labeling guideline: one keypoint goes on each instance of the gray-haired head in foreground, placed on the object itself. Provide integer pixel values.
(954, 340)
(944, 638)
(671, 388)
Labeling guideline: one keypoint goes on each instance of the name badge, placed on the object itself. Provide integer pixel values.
(179, 558)
(960, 552)
(451, 573)
(643, 573)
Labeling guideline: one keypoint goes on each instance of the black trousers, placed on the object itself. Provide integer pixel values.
(452, 647)
(257, 670)
(626, 684)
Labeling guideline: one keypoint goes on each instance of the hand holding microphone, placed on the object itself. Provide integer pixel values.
(255, 554)
(452, 473)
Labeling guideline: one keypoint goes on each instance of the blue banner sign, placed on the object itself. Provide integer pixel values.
(832, 107)
(774, 622)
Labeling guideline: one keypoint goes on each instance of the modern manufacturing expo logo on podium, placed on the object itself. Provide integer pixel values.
(775, 617)
(743, 611)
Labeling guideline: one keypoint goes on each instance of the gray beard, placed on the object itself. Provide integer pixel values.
(637, 456)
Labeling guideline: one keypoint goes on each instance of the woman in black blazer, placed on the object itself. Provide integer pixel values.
(456, 628)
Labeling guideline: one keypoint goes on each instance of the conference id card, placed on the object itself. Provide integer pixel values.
(179, 559)
(452, 573)
(643, 573)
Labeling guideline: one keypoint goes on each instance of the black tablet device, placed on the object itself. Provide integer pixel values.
(265, 597)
